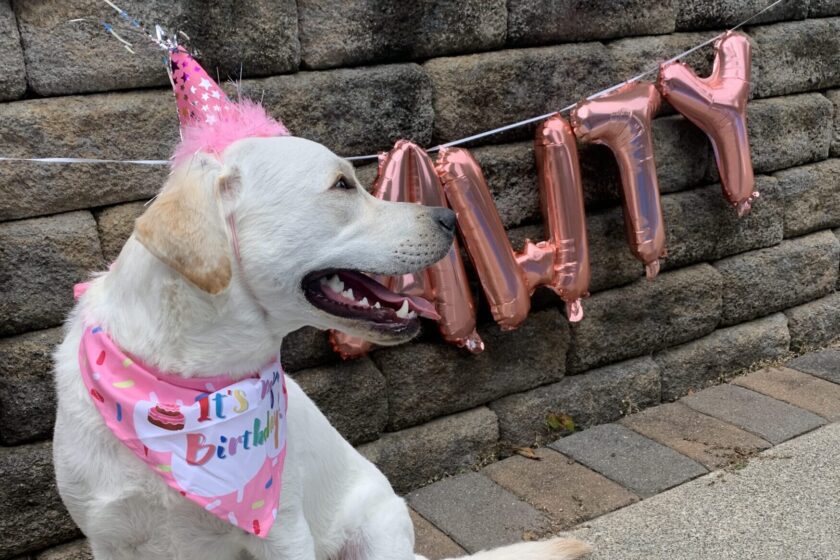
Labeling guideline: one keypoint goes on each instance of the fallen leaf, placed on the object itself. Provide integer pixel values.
(527, 452)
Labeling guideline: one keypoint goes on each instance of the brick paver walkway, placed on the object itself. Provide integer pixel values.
(607, 467)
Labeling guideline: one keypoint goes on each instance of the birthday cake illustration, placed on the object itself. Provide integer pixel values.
(167, 416)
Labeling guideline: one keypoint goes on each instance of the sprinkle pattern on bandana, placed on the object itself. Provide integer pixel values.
(220, 443)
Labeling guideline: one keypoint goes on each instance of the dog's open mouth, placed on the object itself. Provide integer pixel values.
(353, 295)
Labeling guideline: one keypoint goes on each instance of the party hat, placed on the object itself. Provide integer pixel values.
(210, 121)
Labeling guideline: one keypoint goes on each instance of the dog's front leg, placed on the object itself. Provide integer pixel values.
(290, 537)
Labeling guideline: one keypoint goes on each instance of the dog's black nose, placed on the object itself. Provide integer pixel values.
(445, 218)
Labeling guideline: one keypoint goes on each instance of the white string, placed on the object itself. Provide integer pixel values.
(453, 142)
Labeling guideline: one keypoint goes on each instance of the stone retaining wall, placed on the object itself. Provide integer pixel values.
(358, 75)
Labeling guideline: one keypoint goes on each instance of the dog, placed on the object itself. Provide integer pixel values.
(234, 253)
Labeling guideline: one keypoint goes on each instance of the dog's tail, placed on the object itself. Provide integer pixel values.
(552, 549)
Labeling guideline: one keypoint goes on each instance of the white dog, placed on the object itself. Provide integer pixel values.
(190, 295)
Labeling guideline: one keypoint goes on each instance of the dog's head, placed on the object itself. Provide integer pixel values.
(305, 231)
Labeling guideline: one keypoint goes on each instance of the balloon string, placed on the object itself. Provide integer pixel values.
(165, 44)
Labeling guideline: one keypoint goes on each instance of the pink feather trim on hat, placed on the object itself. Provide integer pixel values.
(210, 121)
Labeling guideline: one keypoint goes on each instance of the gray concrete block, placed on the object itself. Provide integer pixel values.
(721, 354)
(427, 380)
(352, 396)
(27, 391)
(535, 22)
(596, 397)
(414, 457)
(767, 280)
(357, 31)
(40, 260)
(645, 316)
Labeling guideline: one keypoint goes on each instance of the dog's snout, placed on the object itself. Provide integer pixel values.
(445, 218)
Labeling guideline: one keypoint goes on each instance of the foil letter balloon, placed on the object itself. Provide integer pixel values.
(561, 198)
(718, 105)
(407, 174)
(484, 235)
(621, 121)
(450, 288)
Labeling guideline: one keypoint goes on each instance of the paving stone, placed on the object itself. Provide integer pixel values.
(411, 458)
(136, 125)
(632, 460)
(701, 225)
(599, 396)
(352, 395)
(812, 197)
(767, 280)
(814, 324)
(788, 131)
(430, 379)
(834, 97)
(27, 394)
(707, 440)
(13, 77)
(480, 91)
(64, 56)
(431, 542)
(796, 56)
(823, 8)
(569, 492)
(771, 419)
(646, 316)
(797, 388)
(476, 512)
(824, 364)
(721, 354)
(40, 260)
(77, 550)
(305, 348)
(352, 111)
(715, 14)
(535, 22)
(33, 516)
(351, 32)
(115, 225)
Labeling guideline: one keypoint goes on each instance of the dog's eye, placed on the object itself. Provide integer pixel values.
(343, 184)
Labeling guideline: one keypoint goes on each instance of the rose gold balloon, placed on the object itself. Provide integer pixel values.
(621, 121)
(718, 106)
(450, 288)
(484, 236)
(407, 174)
(349, 347)
(561, 198)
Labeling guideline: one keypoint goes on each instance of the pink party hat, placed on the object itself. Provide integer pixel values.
(210, 121)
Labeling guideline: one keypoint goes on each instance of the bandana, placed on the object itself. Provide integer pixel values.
(221, 443)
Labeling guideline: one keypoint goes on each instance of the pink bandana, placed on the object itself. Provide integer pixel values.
(219, 442)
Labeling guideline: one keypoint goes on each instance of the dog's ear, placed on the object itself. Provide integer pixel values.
(185, 225)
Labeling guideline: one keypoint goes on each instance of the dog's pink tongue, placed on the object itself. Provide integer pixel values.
(421, 306)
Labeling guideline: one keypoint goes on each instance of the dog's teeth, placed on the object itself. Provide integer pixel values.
(402, 313)
(412, 315)
(377, 305)
(335, 284)
(364, 302)
(348, 293)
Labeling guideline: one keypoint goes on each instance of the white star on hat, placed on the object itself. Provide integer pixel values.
(204, 83)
